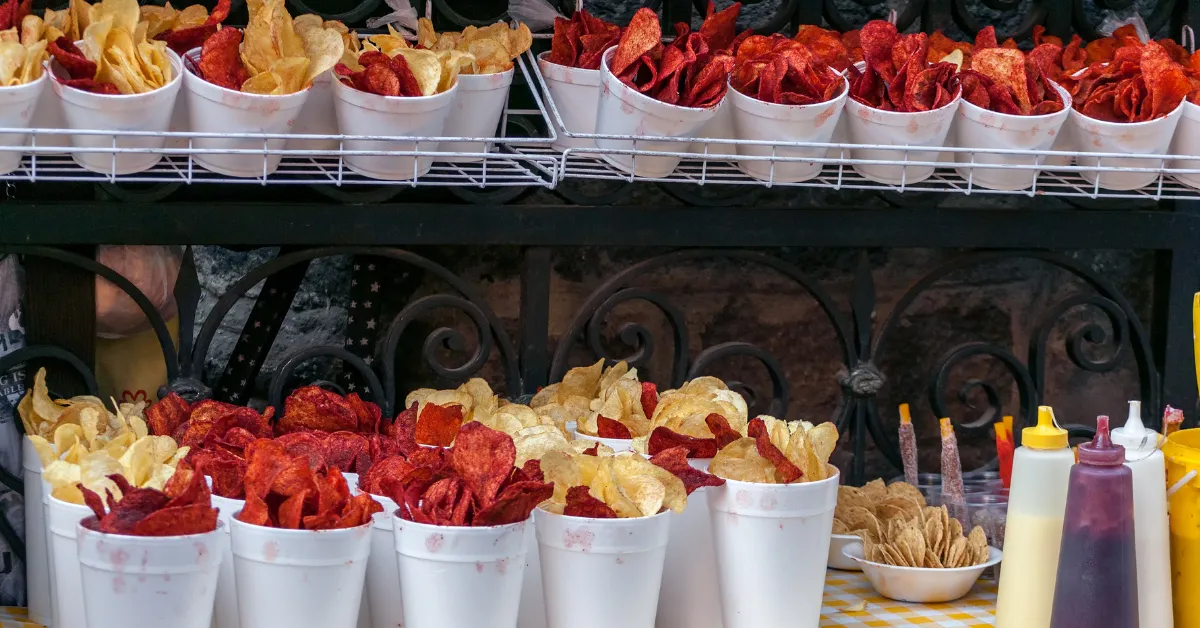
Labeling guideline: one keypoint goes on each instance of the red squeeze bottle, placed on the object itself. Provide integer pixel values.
(1097, 565)
(1004, 452)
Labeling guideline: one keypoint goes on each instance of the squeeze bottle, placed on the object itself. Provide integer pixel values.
(1145, 459)
(1037, 501)
(1097, 583)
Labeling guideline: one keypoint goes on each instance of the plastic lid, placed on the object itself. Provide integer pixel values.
(1133, 436)
(1101, 452)
(1047, 434)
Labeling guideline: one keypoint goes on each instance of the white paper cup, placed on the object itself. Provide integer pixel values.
(690, 597)
(225, 608)
(977, 127)
(476, 112)
(624, 111)
(601, 573)
(299, 578)
(64, 519)
(383, 573)
(150, 581)
(17, 105)
(763, 121)
(49, 115)
(721, 127)
(148, 112)
(1187, 142)
(214, 109)
(871, 126)
(575, 93)
(617, 444)
(316, 117)
(532, 613)
(1135, 138)
(361, 113)
(771, 542)
(37, 565)
(460, 577)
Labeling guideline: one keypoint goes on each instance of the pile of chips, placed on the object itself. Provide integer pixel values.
(116, 57)
(827, 46)
(606, 403)
(80, 440)
(314, 408)
(1005, 81)
(492, 48)
(783, 71)
(931, 540)
(404, 72)
(570, 399)
(1141, 83)
(183, 507)
(778, 452)
(580, 42)
(186, 29)
(867, 510)
(898, 76)
(22, 48)
(691, 71)
(702, 416)
(474, 483)
(350, 452)
(284, 491)
(277, 56)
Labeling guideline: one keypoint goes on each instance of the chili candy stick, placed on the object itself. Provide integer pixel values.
(908, 445)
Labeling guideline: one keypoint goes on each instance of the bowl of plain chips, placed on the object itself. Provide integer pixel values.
(926, 559)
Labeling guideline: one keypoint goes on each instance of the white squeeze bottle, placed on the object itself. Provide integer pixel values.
(1037, 501)
(1151, 539)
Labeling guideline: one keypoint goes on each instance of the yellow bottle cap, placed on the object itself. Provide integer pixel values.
(1047, 434)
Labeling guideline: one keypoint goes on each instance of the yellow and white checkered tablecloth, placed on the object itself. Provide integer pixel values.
(16, 617)
(844, 589)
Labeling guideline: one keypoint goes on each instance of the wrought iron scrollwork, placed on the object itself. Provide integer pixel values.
(966, 393)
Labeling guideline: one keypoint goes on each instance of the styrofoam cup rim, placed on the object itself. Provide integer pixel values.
(236, 523)
(1124, 126)
(643, 102)
(132, 539)
(176, 65)
(739, 98)
(460, 530)
(1045, 117)
(198, 83)
(601, 520)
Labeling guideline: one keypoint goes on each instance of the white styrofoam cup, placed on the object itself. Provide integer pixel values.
(316, 117)
(17, 106)
(49, 115)
(458, 576)
(871, 126)
(63, 518)
(299, 578)
(149, 112)
(763, 531)
(1187, 142)
(532, 613)
(361, 113)
(149, 581)
(622, 110)
(977, 127)
(575, 92)
(601, 573)
(690, 597)
(476, 112)
(215, 109)
(383, 572)
(225, 607)
(616, 444)
(1152, 137)
(763, 121)
(37, 559)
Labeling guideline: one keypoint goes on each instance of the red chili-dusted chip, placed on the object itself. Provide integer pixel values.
(720, 27)
(185, 507)
(786, 471)
(72, 59)
(391, 469)
(437, 425)
(662, 439)
(484, 459)
(314, 408)
(611, 428)
(284, 491)
(580, 41)
(307, 445)
(580, 503)
(342, 450)
(514, 503)
(649, 399)
(181, 40)
(675, 460)
(167, 414)
(594, 450)
(721, 430)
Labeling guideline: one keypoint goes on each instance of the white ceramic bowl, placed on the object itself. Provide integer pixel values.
(838, 560)
(914, 584)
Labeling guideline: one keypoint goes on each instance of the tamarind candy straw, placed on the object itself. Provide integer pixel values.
(952, 481)
(908, 445)
(1172, 420)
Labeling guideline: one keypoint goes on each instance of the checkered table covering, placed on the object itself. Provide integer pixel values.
(16, 617)
(844, 589)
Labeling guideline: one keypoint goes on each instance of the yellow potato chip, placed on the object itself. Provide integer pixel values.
(324, 48)
(67, 436)
(138, 461)
(741, 461)
(534, 442)
(45, 450)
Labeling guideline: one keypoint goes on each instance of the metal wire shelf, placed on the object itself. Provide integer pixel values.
(502, 161)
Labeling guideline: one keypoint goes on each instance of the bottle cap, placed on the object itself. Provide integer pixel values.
(1133, 436)
(1047, 434)
(1101, 452)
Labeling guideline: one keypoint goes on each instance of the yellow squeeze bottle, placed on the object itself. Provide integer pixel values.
(1037, 502)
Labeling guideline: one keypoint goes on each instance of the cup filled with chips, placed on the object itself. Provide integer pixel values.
(395, 90)
(781, 91)
(317, 116)
(660, 90)
(571, 69)
(1131, 105)
(925, 558)
(115, 79)
(771, 518)
(299, 561)
(607, 405)
(1186, 140)
(255, 81)
(603, 534)
(483, 86)
(22, 81)
(151, 557)
(899, 98)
